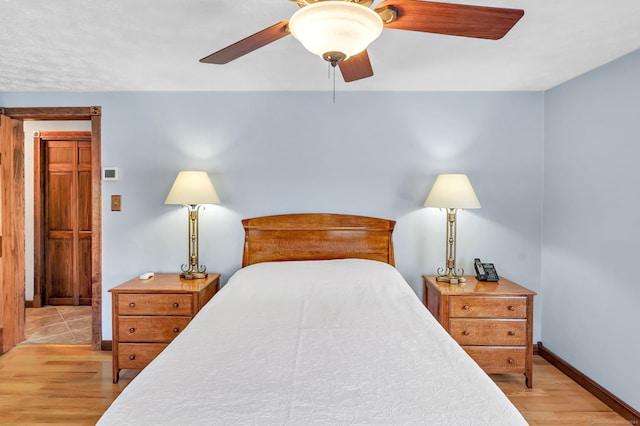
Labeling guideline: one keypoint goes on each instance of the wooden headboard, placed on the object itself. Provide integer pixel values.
(317, 236)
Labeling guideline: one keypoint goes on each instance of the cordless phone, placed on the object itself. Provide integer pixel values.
(485, 271)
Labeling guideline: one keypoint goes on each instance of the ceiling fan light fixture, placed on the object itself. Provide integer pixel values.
(335, 28)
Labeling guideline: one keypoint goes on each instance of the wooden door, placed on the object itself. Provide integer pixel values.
(68, 221)
(12, 256)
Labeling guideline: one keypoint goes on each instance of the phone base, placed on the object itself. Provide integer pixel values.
(451, 279)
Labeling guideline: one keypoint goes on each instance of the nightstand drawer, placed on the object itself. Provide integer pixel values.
(138, 355)
(488, 307)
(155, 304)
(150, 329)
(475, 331)
(497, 359)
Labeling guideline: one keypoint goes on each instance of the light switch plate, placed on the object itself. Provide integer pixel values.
(116, 203)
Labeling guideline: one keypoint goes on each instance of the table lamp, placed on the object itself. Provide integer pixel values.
(192, 190)
(452, 192)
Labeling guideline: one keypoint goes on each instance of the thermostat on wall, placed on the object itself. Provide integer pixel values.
(110, 173)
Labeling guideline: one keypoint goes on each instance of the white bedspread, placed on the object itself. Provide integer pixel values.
(343, 342)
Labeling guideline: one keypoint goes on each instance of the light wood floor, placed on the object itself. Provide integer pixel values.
(555, 399)
(71, 385)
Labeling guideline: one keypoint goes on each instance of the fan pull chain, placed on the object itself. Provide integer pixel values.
(332, 66)
(334, 85)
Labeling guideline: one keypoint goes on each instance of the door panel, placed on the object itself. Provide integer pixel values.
(59, 270)
(61, 156)
(84, 269)
(84, 201)
(84, 155)
(58, 211)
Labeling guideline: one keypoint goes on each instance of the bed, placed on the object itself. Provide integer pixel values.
(317, 327)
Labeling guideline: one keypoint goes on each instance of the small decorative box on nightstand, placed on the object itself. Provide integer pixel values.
(492, 321)
(149, 314)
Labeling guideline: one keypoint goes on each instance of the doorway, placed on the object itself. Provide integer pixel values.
(15, 322)
(62, 204)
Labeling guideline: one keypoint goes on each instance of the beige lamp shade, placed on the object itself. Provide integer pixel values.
(452, 191)
(192, 188)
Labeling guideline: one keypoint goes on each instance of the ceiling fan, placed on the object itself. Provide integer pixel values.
(340, 30)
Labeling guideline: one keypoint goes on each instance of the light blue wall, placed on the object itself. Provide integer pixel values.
(374, 154)
(591, 234)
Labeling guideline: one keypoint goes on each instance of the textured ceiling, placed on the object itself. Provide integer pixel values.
(123, 45)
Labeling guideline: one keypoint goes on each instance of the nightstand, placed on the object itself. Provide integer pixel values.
(492, 321)
(149, 314)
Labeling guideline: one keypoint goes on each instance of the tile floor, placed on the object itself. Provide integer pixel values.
(59, 324)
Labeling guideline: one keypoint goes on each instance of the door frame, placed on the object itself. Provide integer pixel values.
(40, 138)
(94, 115)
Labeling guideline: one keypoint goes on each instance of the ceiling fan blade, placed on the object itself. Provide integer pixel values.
(249, 44)
(450, 19)
(356, 67)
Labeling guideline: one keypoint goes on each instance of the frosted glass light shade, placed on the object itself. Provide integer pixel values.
(335, 26)
(452, 191)
(192, 188)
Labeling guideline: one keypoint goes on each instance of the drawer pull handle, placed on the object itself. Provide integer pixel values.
(132, 305)
(132, 330)
(465, 333)
(176, 329)
(512, 308)
(176, 304)
(132, 357)
(465, 307)
(512, 333)
(511, 360)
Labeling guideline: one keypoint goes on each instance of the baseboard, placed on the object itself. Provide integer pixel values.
(615, 403)
(106, 345)
(28, 303)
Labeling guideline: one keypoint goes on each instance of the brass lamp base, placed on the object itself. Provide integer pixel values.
(451, 279)
(193, 270)
(193, 276)
(450, 273)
